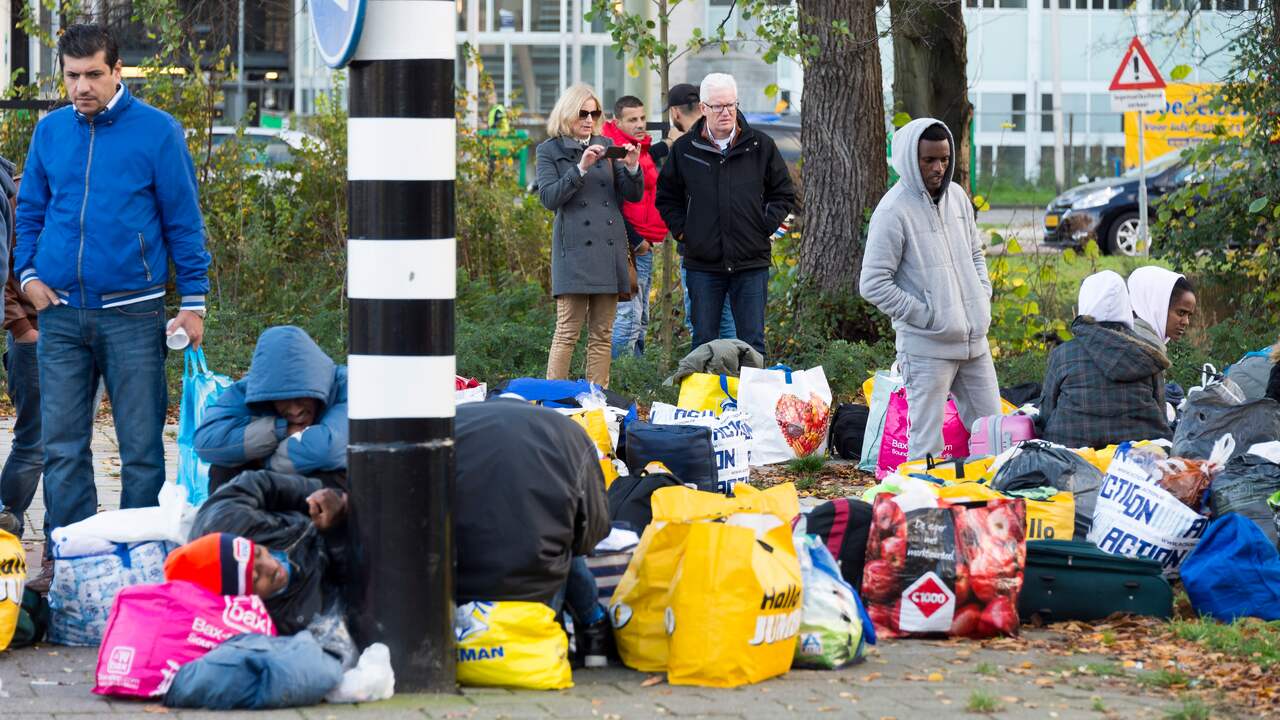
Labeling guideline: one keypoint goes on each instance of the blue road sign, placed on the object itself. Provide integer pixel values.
(336, 25)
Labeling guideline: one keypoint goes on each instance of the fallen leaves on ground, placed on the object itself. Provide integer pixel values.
(834, 480)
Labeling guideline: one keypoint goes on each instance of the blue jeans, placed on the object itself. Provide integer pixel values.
(125, 347)
(633, 315)
(747, 292)
(22, 469)
(581, 594)
(727, 329)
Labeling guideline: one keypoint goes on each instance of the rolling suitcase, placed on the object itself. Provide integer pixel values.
(1077, 581)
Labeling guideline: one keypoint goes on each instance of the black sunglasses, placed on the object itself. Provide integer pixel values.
(594, 114)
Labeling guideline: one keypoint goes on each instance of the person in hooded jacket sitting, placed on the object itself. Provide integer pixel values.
(288, 414)
(1105, 385)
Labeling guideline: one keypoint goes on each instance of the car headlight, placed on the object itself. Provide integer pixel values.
(1097, 198)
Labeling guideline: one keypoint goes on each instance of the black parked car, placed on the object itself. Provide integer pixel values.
(1106, 210)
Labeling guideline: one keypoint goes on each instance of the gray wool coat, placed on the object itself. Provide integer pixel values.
(588, 239)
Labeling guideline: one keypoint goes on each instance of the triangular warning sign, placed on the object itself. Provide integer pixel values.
(1136, 71)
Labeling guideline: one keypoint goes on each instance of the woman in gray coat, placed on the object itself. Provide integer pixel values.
(589, 239)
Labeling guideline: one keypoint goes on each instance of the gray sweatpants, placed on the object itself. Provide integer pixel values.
(929, 380)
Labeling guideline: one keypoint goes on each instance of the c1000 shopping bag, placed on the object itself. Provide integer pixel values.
(638, 610)
(789, 410)
(200, 388)
(511, 644)
(704, 391)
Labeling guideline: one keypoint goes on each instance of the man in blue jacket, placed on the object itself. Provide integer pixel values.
(108, 199)
(289, 414)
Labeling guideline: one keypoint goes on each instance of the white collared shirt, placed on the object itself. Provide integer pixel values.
(724, 144)
(116, 98)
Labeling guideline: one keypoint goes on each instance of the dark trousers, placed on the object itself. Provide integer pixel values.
(748, 293)
(21, 475)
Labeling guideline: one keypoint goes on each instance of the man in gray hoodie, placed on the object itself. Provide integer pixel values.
(924, 268)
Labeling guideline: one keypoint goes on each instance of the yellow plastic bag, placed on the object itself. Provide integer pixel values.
(597, 428)
(975, 469)
(511, 644)
(13, 576)
(704, 391)
(638, 610)
(1052, 519)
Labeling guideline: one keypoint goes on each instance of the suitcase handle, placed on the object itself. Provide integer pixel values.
(1131, 584)
(1048, 579)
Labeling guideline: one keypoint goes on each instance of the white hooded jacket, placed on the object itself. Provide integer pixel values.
(924, 265)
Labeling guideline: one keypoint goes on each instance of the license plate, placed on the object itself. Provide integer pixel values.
(1051, 221)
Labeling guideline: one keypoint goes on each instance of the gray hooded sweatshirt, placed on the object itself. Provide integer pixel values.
(924, 265)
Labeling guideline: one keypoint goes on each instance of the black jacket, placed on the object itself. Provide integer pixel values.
(1273, 383)
(724, 208)
(270, 509)
(529, 496)
(1103, 387)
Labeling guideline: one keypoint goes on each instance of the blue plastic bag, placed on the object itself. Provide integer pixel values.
(835, 627)
(200, 388)
(1234, 572)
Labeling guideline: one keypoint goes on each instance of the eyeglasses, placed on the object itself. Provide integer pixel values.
(718, 109)
(594, 114)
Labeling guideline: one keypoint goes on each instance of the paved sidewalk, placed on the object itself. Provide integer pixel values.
(903, 679)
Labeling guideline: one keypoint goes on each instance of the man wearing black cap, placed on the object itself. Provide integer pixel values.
(685, 109)
(723, 193)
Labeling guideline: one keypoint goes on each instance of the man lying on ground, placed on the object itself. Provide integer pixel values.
(289, 414)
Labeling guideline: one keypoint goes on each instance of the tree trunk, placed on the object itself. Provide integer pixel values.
(844, 172)
(929, 60)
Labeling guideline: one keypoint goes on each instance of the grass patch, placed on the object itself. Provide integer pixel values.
(982, 702)
(1097, 706)
(1108, 637)
(807, 465)
(806, 482)
(1165, 678)
(1189, 708)
(1246, 638)
(1104, 669)
(986, 669)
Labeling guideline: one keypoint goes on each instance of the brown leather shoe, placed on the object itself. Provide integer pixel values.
(44, 579)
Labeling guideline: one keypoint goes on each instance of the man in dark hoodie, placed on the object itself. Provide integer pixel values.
(1105, 385)
(289, 414)
(924, 267)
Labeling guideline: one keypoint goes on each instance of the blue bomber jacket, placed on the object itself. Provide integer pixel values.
(106, 202)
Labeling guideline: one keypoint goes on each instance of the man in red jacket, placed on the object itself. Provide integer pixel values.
(644, 225)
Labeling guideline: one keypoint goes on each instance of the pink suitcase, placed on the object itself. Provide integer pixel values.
(994, 434)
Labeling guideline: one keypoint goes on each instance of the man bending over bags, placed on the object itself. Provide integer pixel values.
(1106, 384)
(289, 414)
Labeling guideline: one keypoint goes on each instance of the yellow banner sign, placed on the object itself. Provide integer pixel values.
(1187, 119)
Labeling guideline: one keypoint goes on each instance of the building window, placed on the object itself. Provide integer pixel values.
(1019, 114)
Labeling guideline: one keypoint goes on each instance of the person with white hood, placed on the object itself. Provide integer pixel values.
(1104, 386)
(1163, 304)
(925, 268)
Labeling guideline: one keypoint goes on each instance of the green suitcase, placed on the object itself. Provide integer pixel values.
(1077, 581)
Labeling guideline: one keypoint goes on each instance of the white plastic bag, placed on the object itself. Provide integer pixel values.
(170, 521)
(1135, 517)
(372, 678)
(730, 439)
(789, 411)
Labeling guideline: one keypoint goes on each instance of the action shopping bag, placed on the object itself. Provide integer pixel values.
(1135, 517)
(638, 610)
(730, 439)
(156, 629)
(834, 627)
(897, 429)
(704, 391)
(735, 607)
(511, 644)
(937, 568)
(84, 588)
(789, 411)
(200, 389)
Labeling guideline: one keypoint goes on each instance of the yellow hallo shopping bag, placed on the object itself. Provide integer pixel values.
(1052, 519)
(13, 576)
(736, 606)
(597, 428)
(638, 608)
(511, 644)
(704, 391)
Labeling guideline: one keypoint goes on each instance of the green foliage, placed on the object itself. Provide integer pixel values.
(1029, 304)
(1165, 678)
(986, 669)
(1190, 708)
(807, 465)
(1246, 638)
(1228, 223)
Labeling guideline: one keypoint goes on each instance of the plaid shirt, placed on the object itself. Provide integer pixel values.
(1103, 387)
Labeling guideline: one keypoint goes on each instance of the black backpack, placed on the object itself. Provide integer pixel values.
(847, 429)
(843, 524)
(629, 498)
(685, 450)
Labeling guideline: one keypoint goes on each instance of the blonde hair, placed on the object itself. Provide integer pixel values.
(565, 114)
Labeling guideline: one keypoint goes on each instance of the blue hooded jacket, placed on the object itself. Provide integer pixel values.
(242, 426)
(106, 202)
